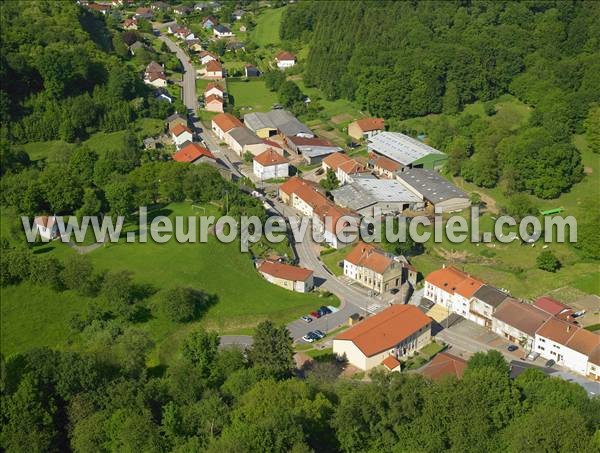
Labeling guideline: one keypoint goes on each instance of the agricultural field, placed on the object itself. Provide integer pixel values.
(244, 298)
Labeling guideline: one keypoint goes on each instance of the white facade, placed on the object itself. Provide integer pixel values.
(157, 83)
(438, 295)
(561, 354)
(225, 34)
(284, 64)
(217, 130)
(271, 171)
(180, 139)
(214, 90)
(298, 286)
(206, 58)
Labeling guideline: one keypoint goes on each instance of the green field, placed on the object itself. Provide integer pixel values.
(332, 260)
(33, 316)
(266, 31)
(251, 95)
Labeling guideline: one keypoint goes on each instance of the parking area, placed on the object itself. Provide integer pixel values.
(591, 305)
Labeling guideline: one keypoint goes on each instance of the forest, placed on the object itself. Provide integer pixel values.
(227, 400)
(406, 59)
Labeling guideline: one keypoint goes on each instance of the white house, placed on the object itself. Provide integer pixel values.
(398, 331)
(214, 88)
(270, 164)
(223, 123)
(567, 344)
(301, 195)
(206, 56)
(221, 31)
(181, 134)
(332, 221)
(213, 103)
(451, 288)
(285, 60)
(47, 227)
(484, 303)
(155, 75)
(344, 167)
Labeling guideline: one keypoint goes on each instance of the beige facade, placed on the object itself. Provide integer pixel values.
(404, 349)
(298, 286)
(391, 278)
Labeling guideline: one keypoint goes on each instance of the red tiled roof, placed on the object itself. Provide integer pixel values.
(272, 144)
(385, 163)
(226, 121)
(390, 362)
(367, 255)
(179, 129)
(212, 85)
(569, 335)
(335, 213)
(453, 281)
(192, 152)
(214, 66)
(285, 271)
(335, 160)
(550, 305)
(310, 141)
(370, 124)
(386, 329)
(214, 97)
(444, 364)
(270, 157)
(304, 190)
(286, 56)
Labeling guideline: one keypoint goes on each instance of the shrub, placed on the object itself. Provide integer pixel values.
(546, 261)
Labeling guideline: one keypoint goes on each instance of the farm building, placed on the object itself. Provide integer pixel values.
(433, 188)
(406, 150)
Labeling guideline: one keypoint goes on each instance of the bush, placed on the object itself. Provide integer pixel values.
(546, 261)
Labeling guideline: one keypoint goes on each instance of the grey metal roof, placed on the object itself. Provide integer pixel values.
(244, 136)
(490, 295)
(365, 192)
(400, 147)
(222, 28)
(282, 120)
(430, 184)
(316, 151)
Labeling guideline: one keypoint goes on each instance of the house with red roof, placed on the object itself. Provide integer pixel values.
(290, 277)
(270, 164)
(213, 70)
(223, 123)
(344, 167)
(365, 128)
(377, 270)
(130, 24)
(181, 134)
(398, 331)
(452, 288)
(444, 365)
(570, 346)
(213, 103)
(285, 60)
(302, 195)
(383, 166)
(206, 56)
(193, 153)
(336, 224)
(155, 75)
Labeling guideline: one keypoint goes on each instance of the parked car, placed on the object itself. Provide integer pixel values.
(308, 337)
(325, 310)
(394, 291)
(550, 363)
(319, 334)
(315, 314)
(512, 347)
(306, 318)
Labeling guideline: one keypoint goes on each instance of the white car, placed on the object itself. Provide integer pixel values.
(308, 339)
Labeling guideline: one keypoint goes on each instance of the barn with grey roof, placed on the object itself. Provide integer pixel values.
(406, 150)
(430, 186)
(267, 124)
(366, 195)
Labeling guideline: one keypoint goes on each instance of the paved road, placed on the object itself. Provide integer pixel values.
(189, 76)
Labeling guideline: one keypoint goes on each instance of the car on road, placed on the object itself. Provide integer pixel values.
(512, 348)
(319, 334)
(306, 318)
(550, 363)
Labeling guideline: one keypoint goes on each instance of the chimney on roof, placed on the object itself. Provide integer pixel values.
(569, 328)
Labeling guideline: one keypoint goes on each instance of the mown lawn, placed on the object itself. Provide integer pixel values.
(332, 260)
(33, 316)
(251, 95)
(266, 31)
